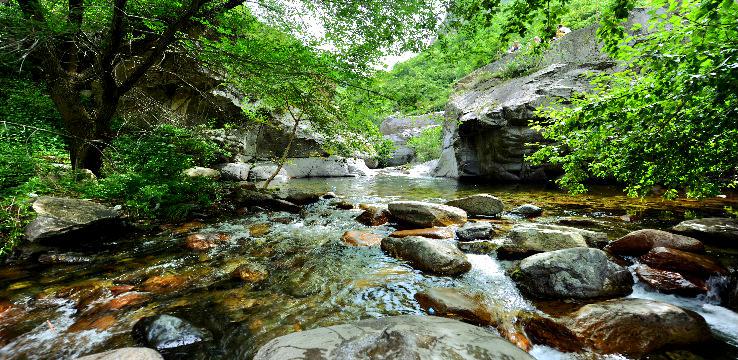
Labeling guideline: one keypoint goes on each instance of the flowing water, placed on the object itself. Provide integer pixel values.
(63, 311)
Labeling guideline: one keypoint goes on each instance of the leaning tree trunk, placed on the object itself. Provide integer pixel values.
(283, 159)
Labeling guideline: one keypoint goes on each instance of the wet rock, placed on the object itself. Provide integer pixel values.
(373, 215)
(126, 300)
(253, 197)
(119, 289)
(234, 171)
(361, 238)
(729, 293)
(100, 323)
(426, 214)
(479, 205)
(199, 171)
(61, 219)
(527, 210)
(187, 227)
(304, 198)
(396, 337)
(252, 273)
(719, 231)
(259, 230)
(636, 327)
(577, 273)
(129, 353)
(484, 247)
(577, 221)
(454, 303)
(640, 242)
(682, 262)
(544, 330)
(205, 241)
(528, 239)
(342, 205)
(165, 283)
(436, 256)
(431, 233)
(329, 195)
(670, 282)
(476, 231)
(166, 332)
(61, 259)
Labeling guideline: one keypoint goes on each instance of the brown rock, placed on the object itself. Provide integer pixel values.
(205, 241)
(119, 289)
(259, 230)
(127, 300)
(187, 227)
(98, 323)
(164, 283)
(431, 233)
(5, 306)
(361, 238)
(671, 282)
(544, 330)
(250, 273)
(373, 215)
(642, 241)
(682, 262)
(456, 304)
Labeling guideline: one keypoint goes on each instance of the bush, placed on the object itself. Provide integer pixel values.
(428, 144)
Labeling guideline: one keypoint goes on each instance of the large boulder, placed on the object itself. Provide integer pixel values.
(325, 167)
(531, 238)
(64, 219)
(577, 273)
(397, 337)
(167, 332)
(128, 353)
(400, 129)
(682, 262)
(234, 171)
(436, 256)
(640, 242)
(479, 205)
(426, 214)
(719, 231)
(636, 327)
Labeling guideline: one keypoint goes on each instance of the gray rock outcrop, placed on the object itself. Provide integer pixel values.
(64, 218)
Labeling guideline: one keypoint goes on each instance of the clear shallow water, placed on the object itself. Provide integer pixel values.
(314, 280)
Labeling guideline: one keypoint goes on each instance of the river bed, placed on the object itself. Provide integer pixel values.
(313, 278)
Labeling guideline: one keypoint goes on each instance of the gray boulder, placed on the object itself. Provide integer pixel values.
(128, 353)
(166, 332)
(531, 238)
(437, 256)
(479, 204)
(396, 337)
(425, 214)
(476, 231)
(718, 231)
(527, 210)
(636, 327)
(234, 171)
(577, 273)
(59, 218)
(325, 167)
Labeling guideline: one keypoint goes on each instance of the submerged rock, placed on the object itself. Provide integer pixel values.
(636, 327)
(70, 258)
(166, 332)
(436, 256)
(527, 210)
(128, 353)
(61, 219)
(476, 231)
(682, 262)
(426, 214)
(373, 215)
(528, 239)
(640, 242)
(431, 233)
(577, 273)
(252, 273)
(361, 238)
(719, 231)
(479, 205)
(396, 337)
(670, 282)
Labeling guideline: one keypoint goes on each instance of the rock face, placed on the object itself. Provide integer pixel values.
(637, 327)
(426, 214)
(578, 273)
(479, 205)
(64, 218)
(129, 353)
(400, 129)
(436, 256)
(682, 262)
(670, 282)
(166, 332)
(527, 239)
(476, 231)
(397, 337)
(486, 129)
(719, 231)
(640, 242)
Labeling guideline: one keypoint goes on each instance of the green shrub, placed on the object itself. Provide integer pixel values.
(428, 144)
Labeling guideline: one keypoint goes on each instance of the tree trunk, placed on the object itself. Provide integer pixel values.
(283, 159)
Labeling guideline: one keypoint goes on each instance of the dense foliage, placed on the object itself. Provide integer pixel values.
(670, 118)
(427, 144)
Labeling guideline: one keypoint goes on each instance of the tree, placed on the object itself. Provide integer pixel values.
(91, 53)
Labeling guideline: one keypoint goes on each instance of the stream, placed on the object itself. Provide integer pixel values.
(64, 311)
